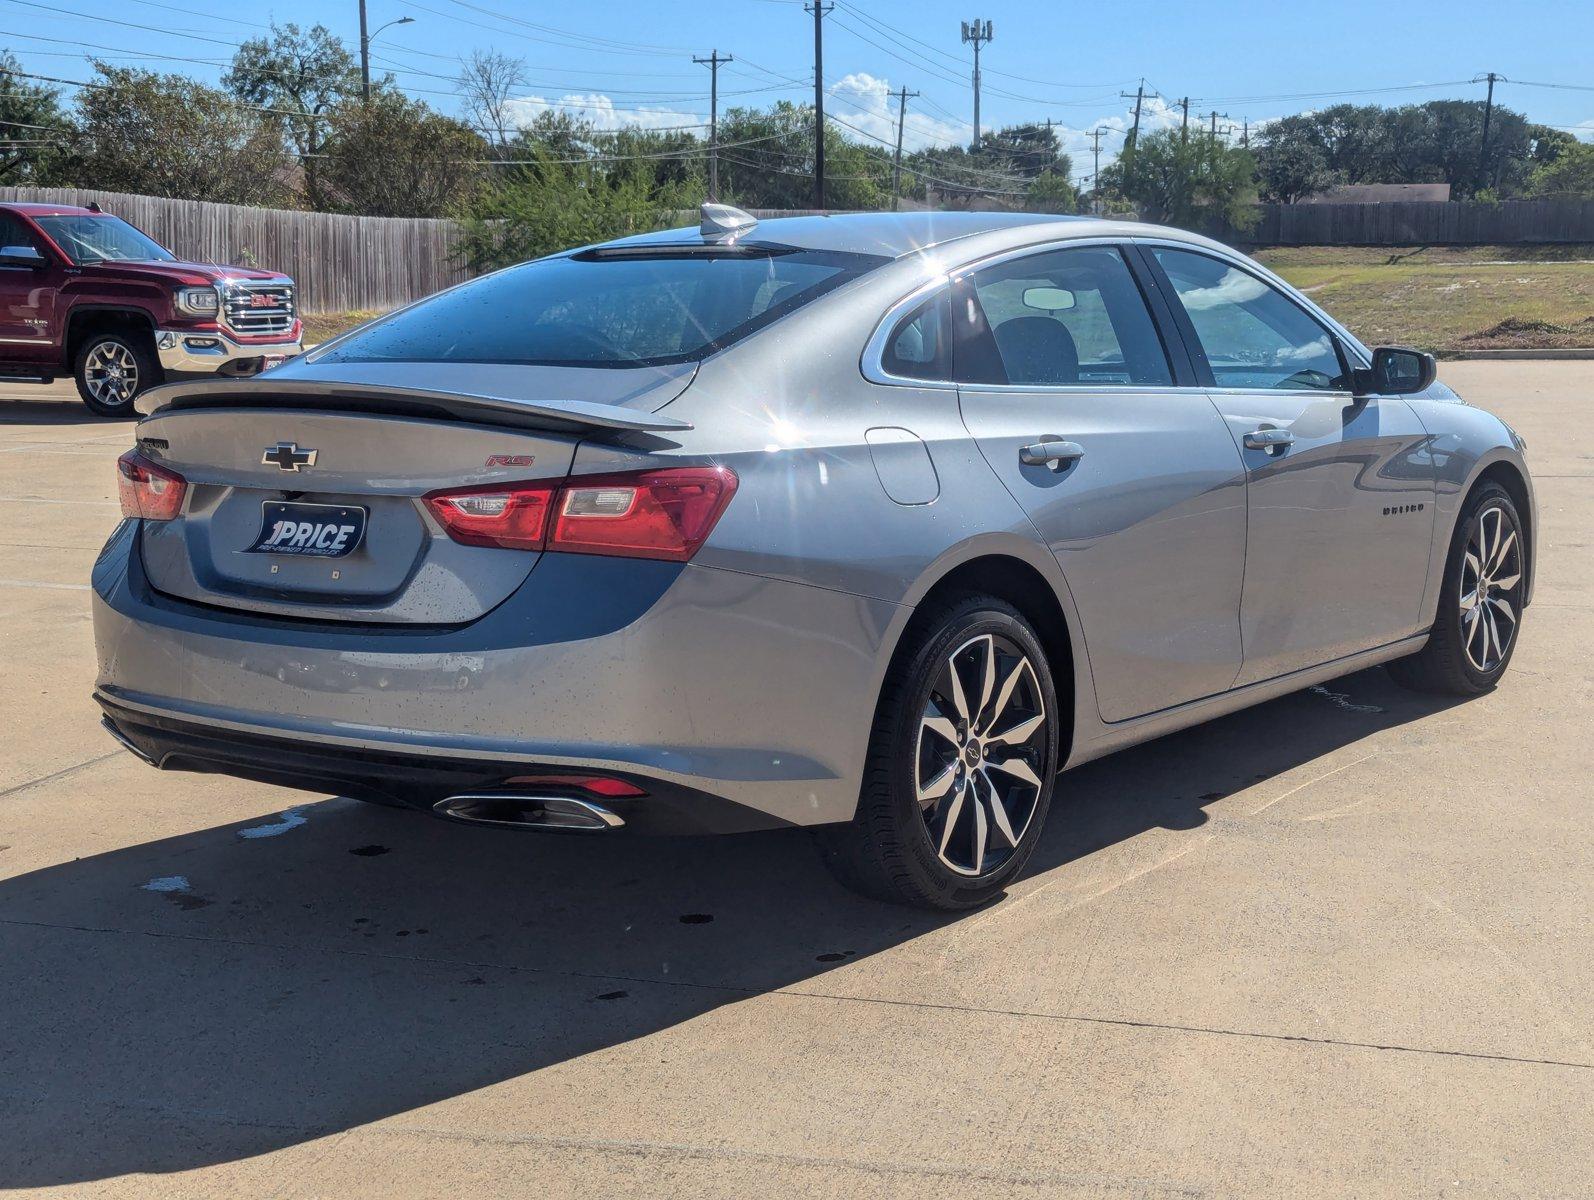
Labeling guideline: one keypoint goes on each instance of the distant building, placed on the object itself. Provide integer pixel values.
(1380, 193)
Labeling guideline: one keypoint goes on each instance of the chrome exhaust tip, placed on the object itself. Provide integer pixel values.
(507, 810)
(122, 740)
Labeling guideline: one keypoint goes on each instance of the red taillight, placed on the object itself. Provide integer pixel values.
(147, 491)
(511, 518)
(665, 514)
(645, 514)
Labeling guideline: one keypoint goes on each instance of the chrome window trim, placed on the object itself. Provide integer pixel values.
(874, 350)
(871, 364)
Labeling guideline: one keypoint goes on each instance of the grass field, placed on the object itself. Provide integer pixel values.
(1436, 297)
(1450, 298)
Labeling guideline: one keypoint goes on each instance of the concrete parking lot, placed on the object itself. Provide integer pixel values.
(1342, 944)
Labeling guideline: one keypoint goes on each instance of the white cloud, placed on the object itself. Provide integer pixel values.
(870, 104)
(602, 111)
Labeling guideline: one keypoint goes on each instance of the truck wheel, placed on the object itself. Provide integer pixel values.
(112, 369)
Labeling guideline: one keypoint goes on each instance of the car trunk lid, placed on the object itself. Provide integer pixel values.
(278, 471)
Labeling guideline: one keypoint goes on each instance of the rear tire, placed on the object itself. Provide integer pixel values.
(1474, 635)
(961, 766)
(113, 368)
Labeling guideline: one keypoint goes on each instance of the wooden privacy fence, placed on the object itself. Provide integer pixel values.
(1419, 223)
(341, 263)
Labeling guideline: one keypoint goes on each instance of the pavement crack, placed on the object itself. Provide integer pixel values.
(61, 774)
(1301, 787)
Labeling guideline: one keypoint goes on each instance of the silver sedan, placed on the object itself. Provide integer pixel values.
(870, 523)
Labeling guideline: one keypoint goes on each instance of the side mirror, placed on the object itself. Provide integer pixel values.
(1397, 371)
(21, 256)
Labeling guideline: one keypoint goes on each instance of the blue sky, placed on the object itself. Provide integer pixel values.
(631, 59)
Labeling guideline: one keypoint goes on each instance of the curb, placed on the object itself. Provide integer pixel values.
(1568, 355)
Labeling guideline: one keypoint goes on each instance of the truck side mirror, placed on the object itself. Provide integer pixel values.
(21, 256)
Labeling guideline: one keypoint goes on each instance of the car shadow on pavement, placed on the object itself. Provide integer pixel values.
(235, 990)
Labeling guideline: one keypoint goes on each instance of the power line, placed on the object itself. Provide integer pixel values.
(68, 12)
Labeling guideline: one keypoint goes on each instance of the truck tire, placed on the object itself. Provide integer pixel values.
(113, 368)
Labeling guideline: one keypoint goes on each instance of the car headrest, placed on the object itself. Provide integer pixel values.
(1037, 350)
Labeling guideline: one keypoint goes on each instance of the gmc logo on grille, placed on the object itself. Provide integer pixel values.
(263, 300)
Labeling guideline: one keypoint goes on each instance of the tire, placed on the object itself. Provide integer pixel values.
(954, 852)
(1472, 641)
(113, 368)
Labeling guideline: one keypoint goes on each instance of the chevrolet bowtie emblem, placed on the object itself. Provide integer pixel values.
(287, 456)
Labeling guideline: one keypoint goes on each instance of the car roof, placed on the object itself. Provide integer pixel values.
(49, 210)
(890, 235)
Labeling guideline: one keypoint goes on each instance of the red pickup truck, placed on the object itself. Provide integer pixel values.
(85, 292)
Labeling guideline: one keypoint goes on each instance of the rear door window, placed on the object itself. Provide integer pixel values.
(608, 308)
(1252, 334)
(1070, 317)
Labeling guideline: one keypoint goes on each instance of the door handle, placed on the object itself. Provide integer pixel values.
(1050, 452)
(1271, 440)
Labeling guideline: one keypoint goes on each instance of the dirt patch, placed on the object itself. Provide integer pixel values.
(1515, 333)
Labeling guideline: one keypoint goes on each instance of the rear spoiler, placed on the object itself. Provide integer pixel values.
(571, 415)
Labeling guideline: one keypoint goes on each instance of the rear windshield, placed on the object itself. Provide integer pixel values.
(607, 308)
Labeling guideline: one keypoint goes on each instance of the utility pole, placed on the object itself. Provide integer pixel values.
(1140, 98)
(1488, 112)
(819, 10)
(365, 58)
(1095, 179)
(1184, 125)
(1134, 135)
(896, 169)
(713, 62)
(977, 33)
(365, 50)
(1245, 134)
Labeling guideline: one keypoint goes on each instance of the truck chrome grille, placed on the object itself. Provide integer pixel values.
(256, 309)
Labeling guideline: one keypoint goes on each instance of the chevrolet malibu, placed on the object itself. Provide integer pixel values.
(871, 524)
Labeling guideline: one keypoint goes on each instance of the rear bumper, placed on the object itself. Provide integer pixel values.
(412, 780)
(212, 352)
(735, 701)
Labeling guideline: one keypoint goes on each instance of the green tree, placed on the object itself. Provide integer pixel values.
(1024, 150)
(168, 135)
(1052, 193)
(1440, 141)
(1570, 173)
(768, 162)
(303, 73)
(395, 157)
(549, 205)
(33, 129)
(1191, 182)
(1291, 160)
